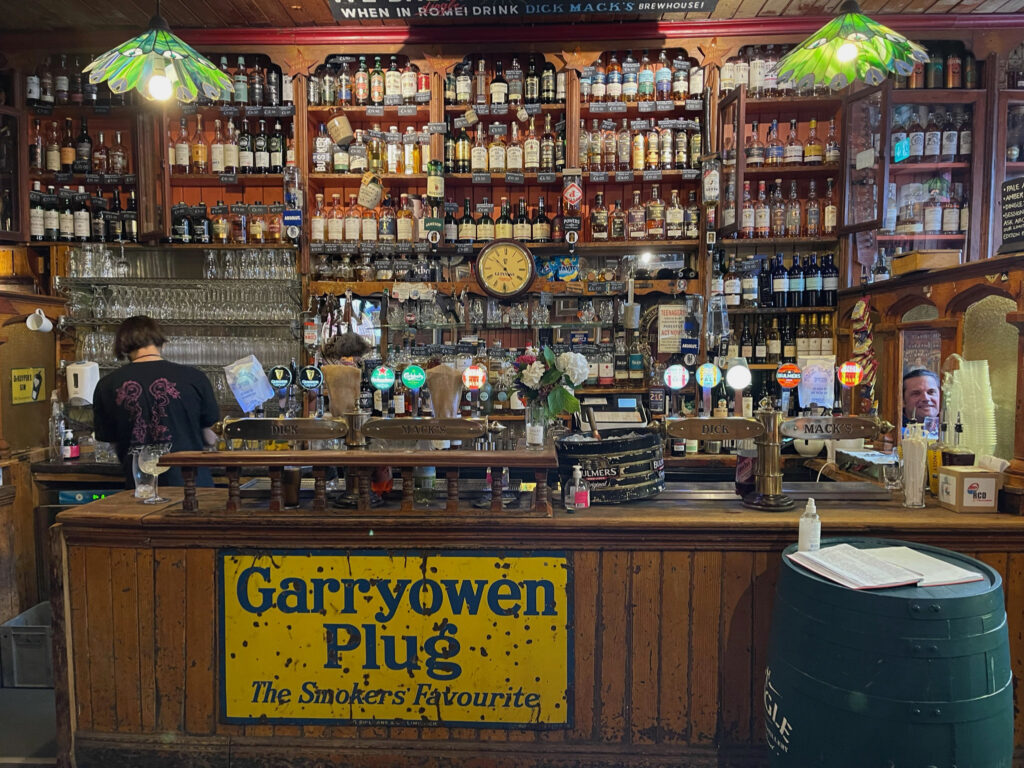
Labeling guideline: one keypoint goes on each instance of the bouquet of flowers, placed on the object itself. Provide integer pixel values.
(546, 380)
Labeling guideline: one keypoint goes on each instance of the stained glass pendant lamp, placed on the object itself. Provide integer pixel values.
(850, 47)
(159, 64)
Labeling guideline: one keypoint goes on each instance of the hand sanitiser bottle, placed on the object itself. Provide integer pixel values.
(810, 529)
(578, 495)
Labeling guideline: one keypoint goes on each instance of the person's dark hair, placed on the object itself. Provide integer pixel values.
(135, 333)
(914, 373)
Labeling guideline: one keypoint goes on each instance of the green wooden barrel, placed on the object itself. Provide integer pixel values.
(907, 677)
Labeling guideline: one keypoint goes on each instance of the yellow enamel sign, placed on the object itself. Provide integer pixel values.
(469, 639)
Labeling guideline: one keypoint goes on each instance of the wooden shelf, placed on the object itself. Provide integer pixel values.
(927, 96)
(773, 242)
(530, 177)
(610, 390)
(683, 174)
(79, 179)
(786, 171)
(539, 285)
(778, 311)
(613, 248)
(214, 180)
(825, 106)
(912, 168)
(85, 110)
(944, 238)
(348, 109)
(458, 109)
(633, 109)
(355, 178)
(1015, 167)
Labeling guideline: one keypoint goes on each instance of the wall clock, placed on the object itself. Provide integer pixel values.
(505, 268)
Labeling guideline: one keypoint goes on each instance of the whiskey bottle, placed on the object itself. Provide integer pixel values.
(655, 215)
(636, 224)
(599, 218)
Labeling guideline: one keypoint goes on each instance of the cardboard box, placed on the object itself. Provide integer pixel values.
(915, 261)
(969, 489)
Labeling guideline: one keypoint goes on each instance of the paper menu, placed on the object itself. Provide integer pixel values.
(855, 568)
(935, 571)
(881, 567)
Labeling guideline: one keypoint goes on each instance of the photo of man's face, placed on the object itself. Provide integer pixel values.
(921, 395)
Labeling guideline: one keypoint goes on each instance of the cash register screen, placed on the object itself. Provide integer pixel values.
(627, 402)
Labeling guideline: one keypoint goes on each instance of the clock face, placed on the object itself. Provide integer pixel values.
(505, 268)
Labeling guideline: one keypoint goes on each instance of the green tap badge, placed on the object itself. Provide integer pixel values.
(414, 377)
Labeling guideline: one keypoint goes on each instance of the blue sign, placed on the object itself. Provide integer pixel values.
(901, 150)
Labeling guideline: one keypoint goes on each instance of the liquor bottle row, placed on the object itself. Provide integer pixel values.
(782, 339)
(770, 215)
(768, 283)
(257, 84)
(373, 151)
(472, 82)
(49, 85)
(914, 209)
(757, 68)
(488, 151)
(773, 153)
(53, 151)
(354, 223)
(239, 223)
(949, 65)
(666, 77)
(404, 223)
(940, 138)
(650, 220)
(334, 83)
(607, 149)
(230, 149)
(75, 216)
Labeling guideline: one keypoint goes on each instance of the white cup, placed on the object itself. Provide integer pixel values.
(37, 321)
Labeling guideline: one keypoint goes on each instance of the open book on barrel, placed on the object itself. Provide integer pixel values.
(882, 567)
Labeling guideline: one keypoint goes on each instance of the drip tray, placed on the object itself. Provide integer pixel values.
(727, 491)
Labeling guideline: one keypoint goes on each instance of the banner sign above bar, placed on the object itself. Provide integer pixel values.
(502, 10)
(405, 638)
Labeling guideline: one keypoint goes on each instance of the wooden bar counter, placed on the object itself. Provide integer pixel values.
(670, 613)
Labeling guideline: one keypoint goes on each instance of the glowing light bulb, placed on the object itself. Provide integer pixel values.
(159, 88)
(847, 52)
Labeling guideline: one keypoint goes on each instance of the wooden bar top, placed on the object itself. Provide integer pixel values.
(540, 459)
(656, 523)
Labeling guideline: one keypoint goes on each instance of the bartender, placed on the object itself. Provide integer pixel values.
(921, 394)
(153, 401)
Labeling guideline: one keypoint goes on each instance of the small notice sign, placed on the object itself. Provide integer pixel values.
(27, 385)
(1013, 215)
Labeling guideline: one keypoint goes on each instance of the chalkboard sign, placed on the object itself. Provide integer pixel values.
(1013, 216)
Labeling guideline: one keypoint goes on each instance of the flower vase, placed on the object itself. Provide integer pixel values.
(536, 427)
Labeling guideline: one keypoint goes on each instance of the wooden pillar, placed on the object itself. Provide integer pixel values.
(542, 496)
(61, 672)
(452, 503)
(276, 490)
(234, 493)
(408, 484)
(496, 505)
(319, 489)
(190, 503)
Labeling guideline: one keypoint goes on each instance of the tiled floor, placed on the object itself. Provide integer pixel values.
(27, 727)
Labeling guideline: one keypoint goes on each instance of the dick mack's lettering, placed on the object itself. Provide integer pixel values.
(471, 639)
